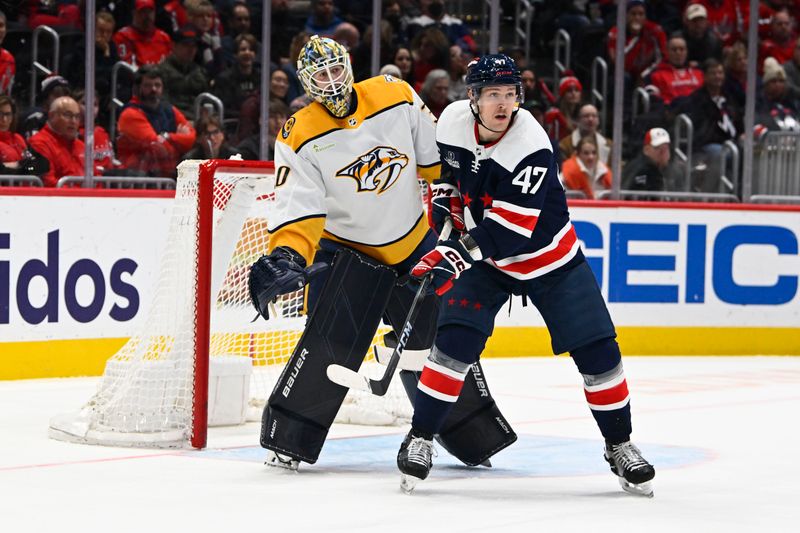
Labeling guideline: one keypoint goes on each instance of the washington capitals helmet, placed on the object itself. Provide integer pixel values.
(493, 69)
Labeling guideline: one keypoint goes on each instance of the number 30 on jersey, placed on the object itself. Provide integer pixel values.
(523, 179)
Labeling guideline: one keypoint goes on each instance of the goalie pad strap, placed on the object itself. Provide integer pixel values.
(304, 403)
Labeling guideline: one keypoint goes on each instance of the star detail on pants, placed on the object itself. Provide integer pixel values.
(477, 306)
(466, 199)
(451, 302)
(464, 302)
(486, 199)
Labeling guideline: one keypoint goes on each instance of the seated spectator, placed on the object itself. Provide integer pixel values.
(782, 39)
(323, 20)
(673, 79)
(142, 43)
(300, 102)
(405, 62)
(153, 135)
(586, 126)
(238, 24)
(430, 49)
(8, 66)
(237, 83)
(361, 55)
(52, 87)
(647, 171)
(535, 89)
(58, 141)
(390, 70)
(726, 19)
(645, 43)
(777, 108)
(105, 58)
(104, 159)
(203, 17)
(561, 120)
(278, 85)
(458, 73)
(435, 91)
(716, 119)
(584, 171)
(434, 15)
(54, 13)
(250, 147)
(183, 78)
(210, 141)
(537, 109)
(792, 69)
(701, 42)
(736, 73)
(347, 35)
(290, 66)
(12, 145)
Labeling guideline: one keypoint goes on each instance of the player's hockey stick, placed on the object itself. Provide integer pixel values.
(353, 380)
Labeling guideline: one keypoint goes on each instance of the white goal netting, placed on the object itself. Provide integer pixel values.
(145, 396)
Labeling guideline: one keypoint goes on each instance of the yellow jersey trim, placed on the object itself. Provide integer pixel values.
(389, 253)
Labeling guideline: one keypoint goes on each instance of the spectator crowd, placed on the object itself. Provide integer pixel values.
(684, 57)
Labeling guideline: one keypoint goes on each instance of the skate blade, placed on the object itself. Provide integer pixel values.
(637, 489)
(407, 483)
(286, 463)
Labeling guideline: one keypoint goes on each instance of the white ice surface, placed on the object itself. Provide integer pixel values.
(722, 432)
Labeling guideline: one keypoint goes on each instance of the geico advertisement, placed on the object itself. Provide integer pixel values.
(73, 268)
(77, 268)
(689, 267)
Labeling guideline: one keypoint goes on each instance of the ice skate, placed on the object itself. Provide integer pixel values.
(635, 474)
(278, 460)
(414, 460)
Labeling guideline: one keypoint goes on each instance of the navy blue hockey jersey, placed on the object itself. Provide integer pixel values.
(514, 205)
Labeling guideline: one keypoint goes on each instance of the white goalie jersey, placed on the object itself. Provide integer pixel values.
(354, 180)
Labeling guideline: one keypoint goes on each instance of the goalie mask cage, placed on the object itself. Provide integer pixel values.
(154, 390)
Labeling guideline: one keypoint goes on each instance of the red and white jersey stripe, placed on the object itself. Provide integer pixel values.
(519, 219)
(607, 396)
(441, 382)
(562, 248)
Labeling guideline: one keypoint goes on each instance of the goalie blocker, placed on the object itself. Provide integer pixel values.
(303, 405)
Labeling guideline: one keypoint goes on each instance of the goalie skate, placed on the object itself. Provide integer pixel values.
(277, 460)
(633, 471)
(414, 460)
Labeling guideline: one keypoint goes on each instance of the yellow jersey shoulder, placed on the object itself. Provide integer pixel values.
(374, 95)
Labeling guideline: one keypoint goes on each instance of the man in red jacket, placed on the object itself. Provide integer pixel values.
(58, 141)
(673, 78)
(142, 43)
(153, 134)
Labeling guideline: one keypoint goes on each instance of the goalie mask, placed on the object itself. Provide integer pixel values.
(492, 70)
(325, 72)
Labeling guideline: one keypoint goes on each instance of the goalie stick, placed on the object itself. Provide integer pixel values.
(353, 380)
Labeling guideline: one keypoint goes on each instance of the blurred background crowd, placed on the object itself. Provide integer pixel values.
(181, 79)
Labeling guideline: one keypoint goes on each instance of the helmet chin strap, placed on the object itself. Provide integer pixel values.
(473, 106)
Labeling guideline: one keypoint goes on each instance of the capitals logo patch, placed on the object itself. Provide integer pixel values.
(377, 170)
(287, 127)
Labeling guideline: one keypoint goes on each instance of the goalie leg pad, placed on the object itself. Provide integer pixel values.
(304, 403)
(475, 429)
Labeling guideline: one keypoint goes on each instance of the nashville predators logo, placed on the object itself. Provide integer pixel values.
(377, 170)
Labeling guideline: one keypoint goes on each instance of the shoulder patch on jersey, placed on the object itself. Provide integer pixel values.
(376, 170)
(287, 127)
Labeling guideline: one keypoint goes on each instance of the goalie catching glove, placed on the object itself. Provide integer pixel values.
(445, 202)
(281, 272)
(447, 262)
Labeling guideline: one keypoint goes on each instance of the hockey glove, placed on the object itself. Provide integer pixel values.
(444, 263)
(445, 202)
(281, 272)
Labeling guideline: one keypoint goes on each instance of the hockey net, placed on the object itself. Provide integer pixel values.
(154, 390)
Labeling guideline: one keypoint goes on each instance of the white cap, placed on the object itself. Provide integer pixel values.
(656, 137)
(696, 10)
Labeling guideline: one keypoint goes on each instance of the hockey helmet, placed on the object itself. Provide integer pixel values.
(493, 69)
(325, 72)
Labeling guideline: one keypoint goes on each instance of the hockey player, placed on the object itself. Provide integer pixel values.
(519, 240)
(346, 178)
